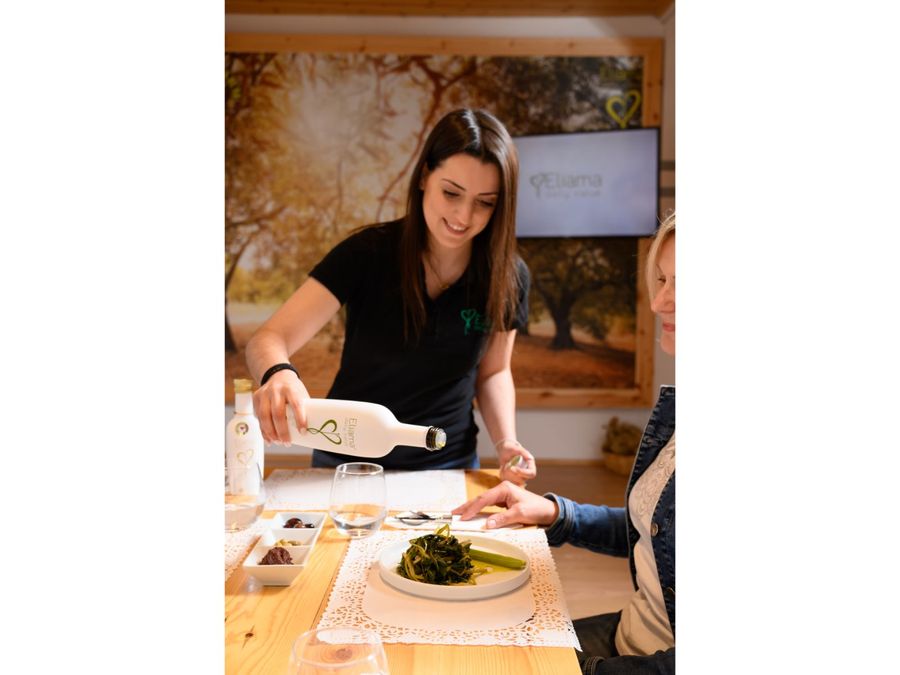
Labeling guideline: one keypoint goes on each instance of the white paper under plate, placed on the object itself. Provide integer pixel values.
(408, 613)
(485, 586)
(533, 615)
(441, 489)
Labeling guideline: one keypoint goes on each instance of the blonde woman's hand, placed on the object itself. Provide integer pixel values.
(521, 505)
(271, 401)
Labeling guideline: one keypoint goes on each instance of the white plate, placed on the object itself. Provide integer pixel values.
(486, 586)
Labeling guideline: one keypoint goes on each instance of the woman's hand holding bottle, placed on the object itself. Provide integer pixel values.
(271, 401)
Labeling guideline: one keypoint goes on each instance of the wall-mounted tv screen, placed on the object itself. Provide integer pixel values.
(588, 184)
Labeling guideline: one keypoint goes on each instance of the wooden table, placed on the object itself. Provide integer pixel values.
(261, 622)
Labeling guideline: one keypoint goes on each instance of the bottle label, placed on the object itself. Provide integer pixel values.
(329, 431)
(241, 428)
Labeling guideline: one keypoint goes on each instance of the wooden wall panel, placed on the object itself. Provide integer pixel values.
(452, 7)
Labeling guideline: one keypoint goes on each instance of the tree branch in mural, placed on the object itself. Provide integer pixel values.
(555, 95)
(250, 206)
(460, 68)
(238, 236)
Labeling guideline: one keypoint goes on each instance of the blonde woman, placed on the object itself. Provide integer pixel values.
(641, 637)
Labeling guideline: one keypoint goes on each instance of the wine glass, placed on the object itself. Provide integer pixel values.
(341, 649)
(245, 496)
(358, 499)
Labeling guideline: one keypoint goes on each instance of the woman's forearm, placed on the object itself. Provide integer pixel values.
(496, 395)
(290, 327)
(265, 349)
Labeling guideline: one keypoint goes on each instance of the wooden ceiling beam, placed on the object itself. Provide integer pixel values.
(452, 7)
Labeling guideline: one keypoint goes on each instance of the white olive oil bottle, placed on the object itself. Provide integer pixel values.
(360, 429)
(244, 446)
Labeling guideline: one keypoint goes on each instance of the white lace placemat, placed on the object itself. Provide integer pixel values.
(238, 544)
(391, 607)
(440, 490)
(548, 626)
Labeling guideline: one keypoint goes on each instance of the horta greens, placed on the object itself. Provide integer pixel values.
(442, 559)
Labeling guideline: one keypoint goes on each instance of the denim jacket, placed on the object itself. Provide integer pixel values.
(609, 530)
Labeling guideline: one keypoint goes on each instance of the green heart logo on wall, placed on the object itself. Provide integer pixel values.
(617, 107)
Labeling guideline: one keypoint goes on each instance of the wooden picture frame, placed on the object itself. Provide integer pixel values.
(639, 392)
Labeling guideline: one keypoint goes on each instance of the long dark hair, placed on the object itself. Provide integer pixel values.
(481, 135)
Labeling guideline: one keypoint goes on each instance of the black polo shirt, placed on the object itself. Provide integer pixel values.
(430, 382)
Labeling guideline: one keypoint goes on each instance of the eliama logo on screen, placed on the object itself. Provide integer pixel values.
(555, 185)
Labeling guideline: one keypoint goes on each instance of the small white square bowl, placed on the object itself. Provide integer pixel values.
(317, 519)
(303, 536)
(308, 535)
(275, 575)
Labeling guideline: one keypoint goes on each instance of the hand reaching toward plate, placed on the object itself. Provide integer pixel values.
(521, 505)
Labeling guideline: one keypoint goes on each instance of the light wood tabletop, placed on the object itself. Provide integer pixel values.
(261, 622)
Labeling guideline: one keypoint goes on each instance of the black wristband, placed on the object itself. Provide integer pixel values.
(274, 369)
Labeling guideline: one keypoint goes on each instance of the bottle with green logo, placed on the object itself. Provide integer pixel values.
(243, 438)
(244, 457)
(360, 429)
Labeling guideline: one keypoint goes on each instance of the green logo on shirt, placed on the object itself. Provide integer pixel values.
(474, 321)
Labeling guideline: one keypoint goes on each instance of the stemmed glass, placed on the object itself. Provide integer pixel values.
(358, 499)
(343, 650)
(245, 496)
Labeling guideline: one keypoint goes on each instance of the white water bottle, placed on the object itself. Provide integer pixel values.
(244, 441)
(359, 429)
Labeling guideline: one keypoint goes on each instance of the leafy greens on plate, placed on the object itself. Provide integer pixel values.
(442, 559)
